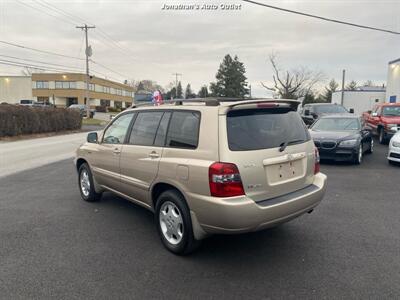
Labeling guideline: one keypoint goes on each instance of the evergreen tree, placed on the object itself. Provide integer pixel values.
(179, 94)
(332, 87)
(203, 93)
(140, 86)
(309, 98)
(352, 86)
(231, 79)
(189, 93)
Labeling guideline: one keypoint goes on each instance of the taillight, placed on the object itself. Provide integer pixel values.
(225, 181)
(316, 161)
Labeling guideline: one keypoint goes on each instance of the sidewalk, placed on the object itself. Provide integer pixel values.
(29, 154)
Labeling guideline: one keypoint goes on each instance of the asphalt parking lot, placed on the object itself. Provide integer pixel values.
(54, 245)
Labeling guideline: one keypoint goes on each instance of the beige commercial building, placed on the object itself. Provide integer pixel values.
(15, 88)
(65, 89)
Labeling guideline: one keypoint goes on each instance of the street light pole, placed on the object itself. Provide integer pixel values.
(342, 95)
(88, 52)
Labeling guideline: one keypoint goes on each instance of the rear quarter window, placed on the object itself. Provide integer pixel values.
(183, 131)
(264, 129)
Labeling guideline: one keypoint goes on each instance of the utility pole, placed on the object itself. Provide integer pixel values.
(88, 52)
(342, 95)
(250, 91)
(176, 83)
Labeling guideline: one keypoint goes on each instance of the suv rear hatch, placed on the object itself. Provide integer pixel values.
(271, 147)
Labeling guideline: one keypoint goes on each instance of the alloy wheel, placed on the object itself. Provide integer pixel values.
(360, 154)
(85, 183)
(171, 223)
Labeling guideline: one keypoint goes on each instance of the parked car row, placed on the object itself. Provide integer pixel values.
(341, 136)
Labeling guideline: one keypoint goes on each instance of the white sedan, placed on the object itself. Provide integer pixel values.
(394, 148)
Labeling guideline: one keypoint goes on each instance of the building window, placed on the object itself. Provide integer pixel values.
(42, 84)
(127, 93)
(92, 87)
(104, 102)
(106, 89)
(65, 85)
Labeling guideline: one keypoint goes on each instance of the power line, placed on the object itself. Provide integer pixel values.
(41, 51)
(42, 11)
(109, 69)
(60, 11)
(34, 66)
(37, 61)
(321, 18)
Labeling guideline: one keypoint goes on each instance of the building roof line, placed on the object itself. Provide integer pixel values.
(360, 91)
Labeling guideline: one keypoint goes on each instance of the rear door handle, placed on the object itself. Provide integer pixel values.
(154, 154)
(116, 151)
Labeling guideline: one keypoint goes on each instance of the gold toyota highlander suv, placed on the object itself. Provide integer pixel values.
(206, 166)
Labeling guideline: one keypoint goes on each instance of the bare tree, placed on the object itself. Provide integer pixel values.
(292, 84)
(146, 85)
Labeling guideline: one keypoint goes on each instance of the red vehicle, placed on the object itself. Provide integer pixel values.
(384, 120)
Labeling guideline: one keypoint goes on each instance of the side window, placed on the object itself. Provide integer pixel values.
(162, 130)
(145, 128)
(115, 134)
(183, 130)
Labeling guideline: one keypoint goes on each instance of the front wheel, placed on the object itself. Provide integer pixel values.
(359, 157)
(174, 224)
(371, 147)
(86, 185)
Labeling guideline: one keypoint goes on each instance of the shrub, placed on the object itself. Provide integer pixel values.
(17, 120)
(114, 109)
(101, 108)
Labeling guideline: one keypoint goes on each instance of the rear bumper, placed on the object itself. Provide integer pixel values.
(242, 214)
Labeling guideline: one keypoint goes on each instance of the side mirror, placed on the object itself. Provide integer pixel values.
(351, 110)
(307, 112)
(92, 137)
(374, 114)
(367, 128)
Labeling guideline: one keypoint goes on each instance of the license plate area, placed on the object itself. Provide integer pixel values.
(285, 172)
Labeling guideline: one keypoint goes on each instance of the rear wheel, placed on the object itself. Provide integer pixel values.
(86, 185)
(371, 147)
(382, 136)
(174, 224)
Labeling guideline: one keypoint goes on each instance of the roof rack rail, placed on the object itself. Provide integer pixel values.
(211, 101)
(207, 101)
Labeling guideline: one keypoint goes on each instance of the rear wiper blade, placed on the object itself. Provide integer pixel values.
(285, 144)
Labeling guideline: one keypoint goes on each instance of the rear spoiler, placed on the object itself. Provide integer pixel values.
(293, 104)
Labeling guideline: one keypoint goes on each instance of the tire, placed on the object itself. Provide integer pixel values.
(371, 147)
(174, 223)
(359, 157)
(382, 136)
(86, 185)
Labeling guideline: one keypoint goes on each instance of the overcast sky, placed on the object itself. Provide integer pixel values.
(156, 43)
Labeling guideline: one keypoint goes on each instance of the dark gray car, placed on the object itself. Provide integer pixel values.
(342, 138)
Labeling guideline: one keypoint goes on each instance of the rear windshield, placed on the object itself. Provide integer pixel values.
(264, 129)
(329, 109)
